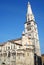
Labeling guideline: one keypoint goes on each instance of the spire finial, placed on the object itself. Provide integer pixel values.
(29, 3)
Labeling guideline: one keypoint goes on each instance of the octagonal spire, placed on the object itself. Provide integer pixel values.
(30, 15)
(29, 10)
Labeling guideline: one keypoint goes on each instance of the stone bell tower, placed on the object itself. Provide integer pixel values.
(30, 34)
(31, 30)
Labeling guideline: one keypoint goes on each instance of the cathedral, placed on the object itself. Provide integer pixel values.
(24, 50)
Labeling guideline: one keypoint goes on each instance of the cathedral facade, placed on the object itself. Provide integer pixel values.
(24, 50)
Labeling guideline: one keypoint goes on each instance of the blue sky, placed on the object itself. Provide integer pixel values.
(13, 17)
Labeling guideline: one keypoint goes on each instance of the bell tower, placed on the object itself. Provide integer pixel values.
(30, 36)
(31, 32)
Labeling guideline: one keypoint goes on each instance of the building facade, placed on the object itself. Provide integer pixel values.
(25, 50)
(42, 59)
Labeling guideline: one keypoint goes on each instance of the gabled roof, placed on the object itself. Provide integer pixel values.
(12, 41)
(1, 44)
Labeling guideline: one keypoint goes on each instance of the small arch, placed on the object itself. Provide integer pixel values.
(3, 63)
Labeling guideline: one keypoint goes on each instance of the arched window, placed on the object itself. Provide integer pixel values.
(9, 54)
(3, 63)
